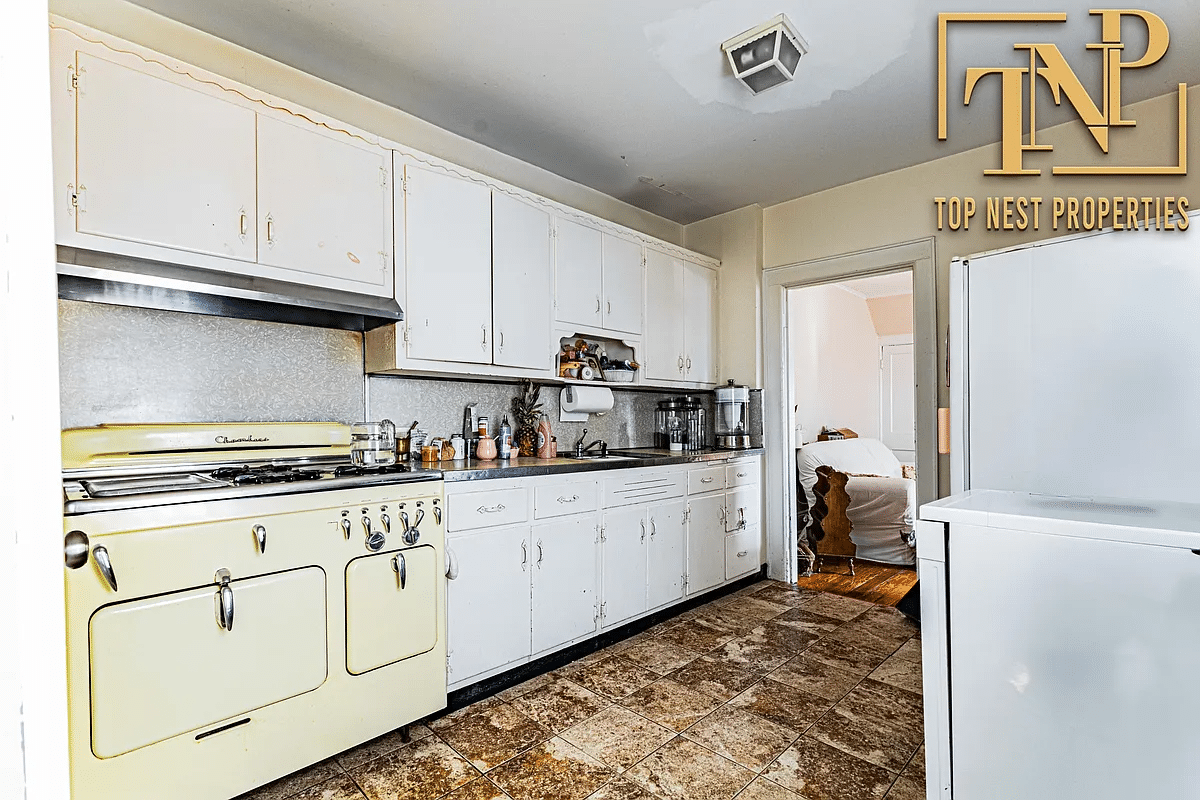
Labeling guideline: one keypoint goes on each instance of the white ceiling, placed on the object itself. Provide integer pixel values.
(608, 93)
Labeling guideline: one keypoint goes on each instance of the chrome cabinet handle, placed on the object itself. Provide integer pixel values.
(609, 307)
(570, 499)
(224, 600)
(681, 364)
(597, 304)
(524, 554)
(484, 345)
(451, 564)
(643, 529)
(260, 536)
(270, 231)
(724, 514)
(652, 528)
(242, 229)
(706, 480)
(493, 510)
(741, 518)
(689, 363)
(742, 553)
(346, 528)
(386, 522)
(100, 553)
(500, 333)
(539, 561)
(401, 569)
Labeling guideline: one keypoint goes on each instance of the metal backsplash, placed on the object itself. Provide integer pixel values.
(134, 365)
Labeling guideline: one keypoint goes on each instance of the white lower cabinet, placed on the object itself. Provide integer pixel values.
(664, 582)
(623, 541)
(540, 563)
(705, 542)
(564, 581)
(488, 603)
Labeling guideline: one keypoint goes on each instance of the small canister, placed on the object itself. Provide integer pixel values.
(416, 442)
(483, 427)
(460, 447)
(431, 454)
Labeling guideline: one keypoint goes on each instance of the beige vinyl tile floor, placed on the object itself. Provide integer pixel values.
(771, 693)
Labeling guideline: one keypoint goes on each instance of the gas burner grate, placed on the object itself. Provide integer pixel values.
(246, 475)
(350, 470)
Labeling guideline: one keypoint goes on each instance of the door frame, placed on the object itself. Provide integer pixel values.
(33, 667)
(917, 255)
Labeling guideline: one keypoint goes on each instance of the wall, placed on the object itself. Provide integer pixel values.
(127, 365)
(898, 206)
(835, 353)
(735, 238)
(892, 316)
(173, 39)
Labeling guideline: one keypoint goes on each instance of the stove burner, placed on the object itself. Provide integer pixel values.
(271, 473)
(348, 470)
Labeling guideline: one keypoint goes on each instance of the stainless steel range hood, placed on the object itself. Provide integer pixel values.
(97, 277)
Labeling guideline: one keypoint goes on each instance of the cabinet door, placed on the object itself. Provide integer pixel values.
(487, 604)
(743, 507)
(163, 164)
(622, 284)
(666, 553)
(448, 267)
(324, 207)
(705, 542)
(391, 607)
(577, 273)
(623, 543)
(564, 581)
(663, 347)
(700, 321)
(162, 665)
(521, 281)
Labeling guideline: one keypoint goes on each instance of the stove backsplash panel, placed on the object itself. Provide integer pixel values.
(438, 406)
(134, 365)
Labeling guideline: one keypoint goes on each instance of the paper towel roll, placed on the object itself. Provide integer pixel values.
(576, 402)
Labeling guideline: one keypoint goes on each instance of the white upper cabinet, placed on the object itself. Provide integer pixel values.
(447, 266)
(622, 270)
(680, 344)
(699, 323)
(521, 279)
(324, 206)
(159, 163)
(663, 349)
(578, 258)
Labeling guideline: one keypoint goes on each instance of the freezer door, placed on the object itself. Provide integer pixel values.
(162, 666)
(1073, 666)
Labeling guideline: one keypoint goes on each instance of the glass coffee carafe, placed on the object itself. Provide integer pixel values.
(373, 444)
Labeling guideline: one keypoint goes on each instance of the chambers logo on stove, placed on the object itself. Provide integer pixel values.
(241, 439)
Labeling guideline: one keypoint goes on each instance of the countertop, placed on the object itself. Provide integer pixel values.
(474, 469)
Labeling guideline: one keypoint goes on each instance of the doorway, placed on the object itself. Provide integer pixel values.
(886, 411)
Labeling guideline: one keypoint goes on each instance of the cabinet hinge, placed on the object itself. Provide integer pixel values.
(449, 669)
(603, 538)
(383, 260)
(74, 78)
(603, 610)
(684, 578)
(404, 185)
(383, 177)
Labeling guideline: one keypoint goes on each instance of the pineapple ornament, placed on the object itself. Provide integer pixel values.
(527, 410)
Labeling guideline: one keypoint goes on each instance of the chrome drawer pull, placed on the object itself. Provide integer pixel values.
(100, 553)
(741, 474)
(643, 529)
(524, 554)
(743, 553)
(539, 561)
(400, 568)
(224, 600)
(493, 510)
(260, 535)
(570, 499)
(706, 480)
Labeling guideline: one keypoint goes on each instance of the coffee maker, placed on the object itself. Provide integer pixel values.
(732, 425)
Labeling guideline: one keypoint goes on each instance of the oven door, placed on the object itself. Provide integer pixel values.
(391, 607)
(165, 665)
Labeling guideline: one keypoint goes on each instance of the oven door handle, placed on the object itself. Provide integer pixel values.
(100, 553)
(224, 600)
(400, 568)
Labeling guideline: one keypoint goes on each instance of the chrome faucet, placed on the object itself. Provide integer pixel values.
(581, 451)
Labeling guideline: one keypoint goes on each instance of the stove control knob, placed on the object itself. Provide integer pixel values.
(260, 536)
(375, 539)
(346, 528)
(386, 521)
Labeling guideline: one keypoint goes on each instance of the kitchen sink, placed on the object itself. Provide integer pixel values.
(598, 457)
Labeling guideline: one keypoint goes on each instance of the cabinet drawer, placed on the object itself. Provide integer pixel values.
(742, 473)
(642, 486)
(741, 553)
(562, 499)
(473, 510)
(743, 508)
(708, 479)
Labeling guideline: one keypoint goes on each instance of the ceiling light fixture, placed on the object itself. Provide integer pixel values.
(766, 56)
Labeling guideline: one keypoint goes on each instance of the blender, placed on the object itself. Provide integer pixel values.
(733, 403)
